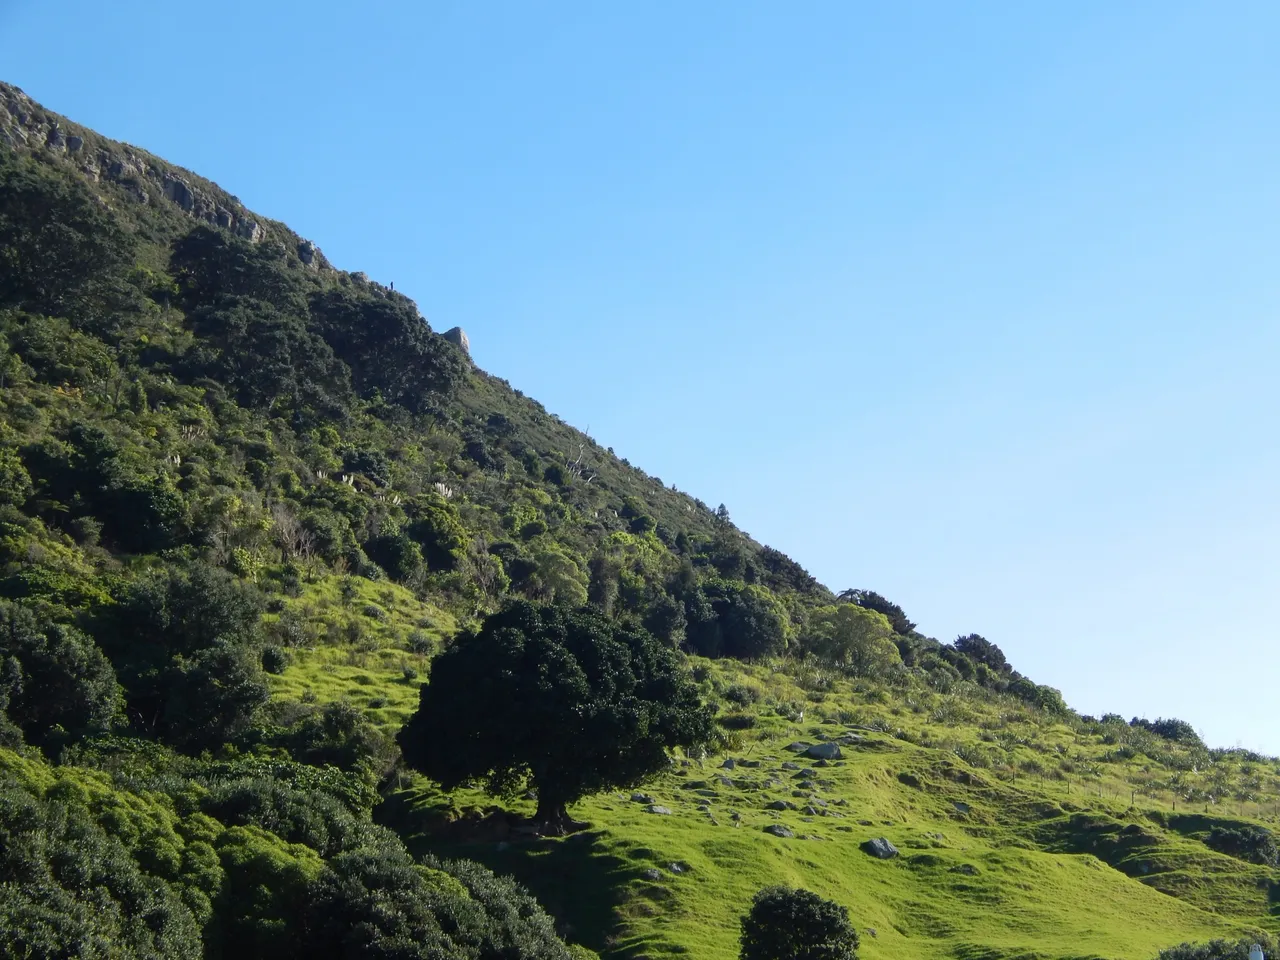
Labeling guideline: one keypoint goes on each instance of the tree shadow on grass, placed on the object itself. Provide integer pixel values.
(578, 881)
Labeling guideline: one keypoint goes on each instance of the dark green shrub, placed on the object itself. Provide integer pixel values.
(56, 677)
(785, 924)
(274, 659)
(1251, 844)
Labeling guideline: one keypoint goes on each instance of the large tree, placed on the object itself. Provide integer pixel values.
(566, 699)
(853, 638)
(873, 601)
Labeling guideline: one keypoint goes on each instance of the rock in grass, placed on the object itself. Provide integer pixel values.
(788, 765)
(798, 747)
(778, 830)
(652, 874)
(729, 764)
(968, 869)
(824, 751)
(659, 809)
(641, 798)
(780, 805)
(880, 848)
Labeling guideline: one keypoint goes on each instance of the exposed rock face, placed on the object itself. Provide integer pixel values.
(25, 125)
(458, 336)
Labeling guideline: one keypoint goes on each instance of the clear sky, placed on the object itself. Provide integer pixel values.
(973, 304)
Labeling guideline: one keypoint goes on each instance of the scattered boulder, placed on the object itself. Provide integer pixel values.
(880, 848)
(651, 874)
(678, 867)
(780, 805)
(798, 747)
(824, 751)
(788, 765)
(778, 830)
(728, 764)
(641, 798)
(960, 807)
(660, 810)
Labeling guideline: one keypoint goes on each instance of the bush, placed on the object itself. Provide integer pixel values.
(742, 694)
(56, 677)
(1251, 844)
(1179, 731)
(786, 924)
(1221, 949)
(274, 659)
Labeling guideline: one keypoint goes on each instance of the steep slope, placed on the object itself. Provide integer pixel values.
(245, 496)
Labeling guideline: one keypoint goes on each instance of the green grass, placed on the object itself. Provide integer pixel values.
(1021, 834)
(995, 862)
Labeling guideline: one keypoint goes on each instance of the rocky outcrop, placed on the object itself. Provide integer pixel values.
(458, 336)
(25, 125)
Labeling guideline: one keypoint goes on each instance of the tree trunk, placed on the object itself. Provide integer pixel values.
(553, 820)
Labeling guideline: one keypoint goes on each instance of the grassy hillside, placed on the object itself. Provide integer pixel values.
(248, 498)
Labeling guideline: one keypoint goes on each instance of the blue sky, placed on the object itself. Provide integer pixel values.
(971, 304)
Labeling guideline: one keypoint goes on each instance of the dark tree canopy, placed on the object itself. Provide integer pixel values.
(786, 924)
(568, 699)
(981, 650)
(729, 619)
(57, 677)
(60, 249)
(388, 346)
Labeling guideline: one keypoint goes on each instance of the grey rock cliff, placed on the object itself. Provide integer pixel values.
(25, 125)
(458, 335)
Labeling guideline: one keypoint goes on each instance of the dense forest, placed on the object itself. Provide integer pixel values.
(220, 456)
